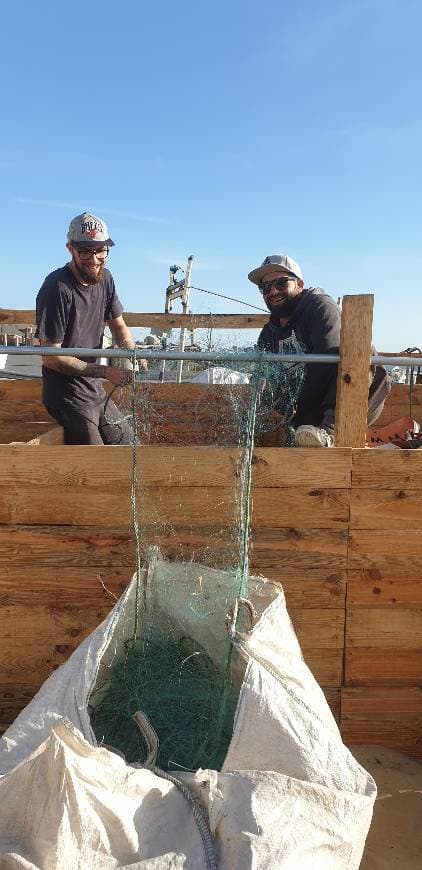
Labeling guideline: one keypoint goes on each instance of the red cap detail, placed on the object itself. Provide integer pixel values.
(92, 233)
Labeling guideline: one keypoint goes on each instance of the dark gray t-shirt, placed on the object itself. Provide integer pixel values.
(74, 316)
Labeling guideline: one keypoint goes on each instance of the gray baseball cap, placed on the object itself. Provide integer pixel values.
(88, 231)
(275, 263)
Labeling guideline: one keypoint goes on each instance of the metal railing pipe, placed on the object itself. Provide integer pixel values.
(200, 356)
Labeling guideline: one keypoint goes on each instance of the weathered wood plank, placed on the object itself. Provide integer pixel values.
(300, 507)
(58, 505)
(66, 546)
(26, 662)
(71, 624)
(389, 550)
(17, 317)
(283, 467)
(290, 550)
(398, 629)
(353, 371)
(24, 621)
(386, 509)
(13, 698)
(163, 321)
(383, 666)
(170, 466)
(61, 585)
(374, 588)
(317, 628)
(387, 469)
(22, 411)
(53, 436)
(22, 390)
(22, 431)
(283, 550)
(326, 665)
(310, 588)
(333, 698)
(93, 586)
(52, 505)
(383, 716)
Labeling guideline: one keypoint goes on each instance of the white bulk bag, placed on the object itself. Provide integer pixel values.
(289, 794)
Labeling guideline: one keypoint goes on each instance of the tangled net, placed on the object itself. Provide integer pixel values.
(179, 667)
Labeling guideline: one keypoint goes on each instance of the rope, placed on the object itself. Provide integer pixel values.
(150, 738)
(230, 298)
(246, 478)
(133, 498)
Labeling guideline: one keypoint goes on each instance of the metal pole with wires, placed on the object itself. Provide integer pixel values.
(185, 304)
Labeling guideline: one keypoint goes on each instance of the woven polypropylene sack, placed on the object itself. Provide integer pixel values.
(289, 793)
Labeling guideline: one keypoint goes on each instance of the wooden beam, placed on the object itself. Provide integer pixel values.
(393, 551)
(160, 320)
(22, 432)
(387, 469)
(382, 589)
(16, 317)
(53, 436)
(13, 390)
(384, 717)
(203, 467)
(197, 321)
(353, 371)
(386, 509)
(415, 354)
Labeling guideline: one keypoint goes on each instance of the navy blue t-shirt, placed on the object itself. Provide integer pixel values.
(73, 315)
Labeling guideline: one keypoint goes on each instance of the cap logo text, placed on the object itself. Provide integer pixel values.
(91, 228)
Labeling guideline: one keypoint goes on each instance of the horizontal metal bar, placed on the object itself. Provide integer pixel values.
(200, 356)
(144, 353)
(405, 361)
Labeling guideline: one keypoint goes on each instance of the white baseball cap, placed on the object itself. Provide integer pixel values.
(275, 263)
(88, 231)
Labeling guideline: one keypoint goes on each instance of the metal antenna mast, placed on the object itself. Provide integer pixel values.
(175, 290)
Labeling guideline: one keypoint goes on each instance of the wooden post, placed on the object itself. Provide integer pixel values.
(353, 371)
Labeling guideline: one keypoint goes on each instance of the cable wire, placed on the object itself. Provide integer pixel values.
(230, 298)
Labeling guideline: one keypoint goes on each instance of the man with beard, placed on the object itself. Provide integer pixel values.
(314, 319)
(72, 307)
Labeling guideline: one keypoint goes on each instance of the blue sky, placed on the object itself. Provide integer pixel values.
(225, 130)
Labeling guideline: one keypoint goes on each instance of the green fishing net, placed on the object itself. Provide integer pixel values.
(178, 671)
(172, 657)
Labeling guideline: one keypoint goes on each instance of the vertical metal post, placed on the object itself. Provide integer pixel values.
(185, 304)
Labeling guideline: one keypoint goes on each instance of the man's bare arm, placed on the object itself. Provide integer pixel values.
(72, 366)
(122, 336)
(121, 333)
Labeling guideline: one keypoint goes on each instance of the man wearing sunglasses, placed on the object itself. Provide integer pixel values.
(314, 319)
(73, 305)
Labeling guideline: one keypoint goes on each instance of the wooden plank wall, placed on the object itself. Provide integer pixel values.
(22, 414)
(23, 417)
(169, 413)
(66, 547)
(340, 529)
(382, 697)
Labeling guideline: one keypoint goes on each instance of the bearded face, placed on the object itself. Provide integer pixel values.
(280, 291)
(89, 272)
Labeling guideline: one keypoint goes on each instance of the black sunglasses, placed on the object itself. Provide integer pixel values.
(278, 283)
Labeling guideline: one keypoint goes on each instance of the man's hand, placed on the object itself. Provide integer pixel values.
(117, 376)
